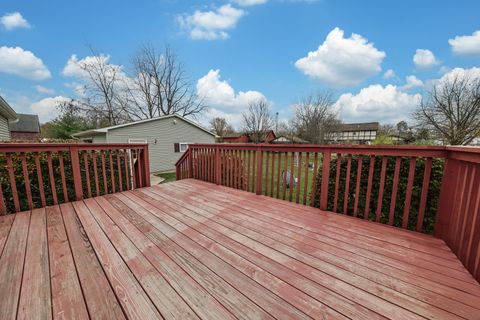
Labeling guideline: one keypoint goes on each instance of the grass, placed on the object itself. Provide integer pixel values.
(168, 176)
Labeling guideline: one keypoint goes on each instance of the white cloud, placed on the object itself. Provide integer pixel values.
(472, 73)
(74, 66)
(247, 3)
(342, 62)
(42, 89)
(47, 109)
(389, 74)
(386, 104)
(14, 20)
(466, 45)
(222, 99)
(211, 25)
(412, 82)
(424, 59)
(22, 63)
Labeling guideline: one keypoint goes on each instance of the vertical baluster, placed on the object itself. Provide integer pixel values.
(62, 175)
(40, 179)
(371, 169)
(299, 174)
(347, 184)
(279, 164)
(52, 178)
(284, 176)
(337, 181)
(314, 180)
(357, 186)
(380, 190)
(119, 170)
(140, 169)
(394, 191)
(305, 185)
(87, 173)
(472, 234)
(248, 169)
(290, 191)
(13, 183)
(423, 197)
(259, 186)
(26, 179)
(104, 173)
(408, 197)
(254, 171)
(267, 158)
(467, 194)
(325, 180)
(125, 164)
(112, 173)
(235, 168)
(272, 178)
(95, 172)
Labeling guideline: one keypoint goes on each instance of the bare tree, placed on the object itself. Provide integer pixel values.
(314, 118)
(258, 120)
(102, 90)
(453, 110)
(160, 86)
(220, 126)
(287, 130)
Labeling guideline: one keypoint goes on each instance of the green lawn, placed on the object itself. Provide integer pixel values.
(168, 176)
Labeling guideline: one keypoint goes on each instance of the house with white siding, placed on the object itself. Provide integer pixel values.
(7, 114)
(168, 138)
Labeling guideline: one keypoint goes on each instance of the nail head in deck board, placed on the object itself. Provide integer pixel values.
(99, 296)
(11, 265)
(67, 297)
(35, 297)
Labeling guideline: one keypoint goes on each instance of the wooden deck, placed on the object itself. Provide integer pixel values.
(191, 249)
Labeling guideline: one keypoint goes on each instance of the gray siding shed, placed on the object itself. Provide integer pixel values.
(4, 132)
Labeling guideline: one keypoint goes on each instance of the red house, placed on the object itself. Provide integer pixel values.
(246, 137)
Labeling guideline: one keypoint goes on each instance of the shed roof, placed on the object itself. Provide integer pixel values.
(106, 129)
(361, 126)
(25, 123)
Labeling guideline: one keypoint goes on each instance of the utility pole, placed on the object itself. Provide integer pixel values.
(276, 122)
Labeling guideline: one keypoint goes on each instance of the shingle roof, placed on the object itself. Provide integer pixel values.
(25, 123)
(7, 111)
(357, 126)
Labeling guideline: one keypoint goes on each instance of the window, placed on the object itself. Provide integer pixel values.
(183, 146)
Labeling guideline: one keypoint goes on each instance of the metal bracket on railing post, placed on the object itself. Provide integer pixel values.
(77, 176)
(258, 188)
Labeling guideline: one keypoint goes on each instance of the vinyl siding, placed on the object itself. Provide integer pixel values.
(161, 154)
(4, 132)
(100, 138)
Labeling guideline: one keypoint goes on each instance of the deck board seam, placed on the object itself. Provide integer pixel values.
(23, 267)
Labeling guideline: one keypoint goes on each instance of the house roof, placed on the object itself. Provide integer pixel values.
(106, 129)
(6, 111)
(363, 126)
(25, 123)
(234, 135)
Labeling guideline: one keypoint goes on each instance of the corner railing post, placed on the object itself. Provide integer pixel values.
(445, 204)
(325, 180)
(258, 188)
(190, 162)
(146, 166)
(218, 166)
(77, 176)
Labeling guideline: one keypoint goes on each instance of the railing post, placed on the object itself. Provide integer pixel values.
(190, 162)
(258, 188)
(325, 180)
(445, 204)
(146, 166)
(218, 166)
(77, 176)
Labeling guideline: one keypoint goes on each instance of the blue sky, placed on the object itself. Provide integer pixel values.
(238, 50)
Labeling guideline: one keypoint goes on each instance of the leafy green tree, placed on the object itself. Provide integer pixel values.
(383, 139)
(66, 124)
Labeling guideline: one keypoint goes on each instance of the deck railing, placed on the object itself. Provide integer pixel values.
(425, 189)
(37, 175)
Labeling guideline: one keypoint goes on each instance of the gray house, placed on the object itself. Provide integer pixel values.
(7, 114)
(168, 138)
